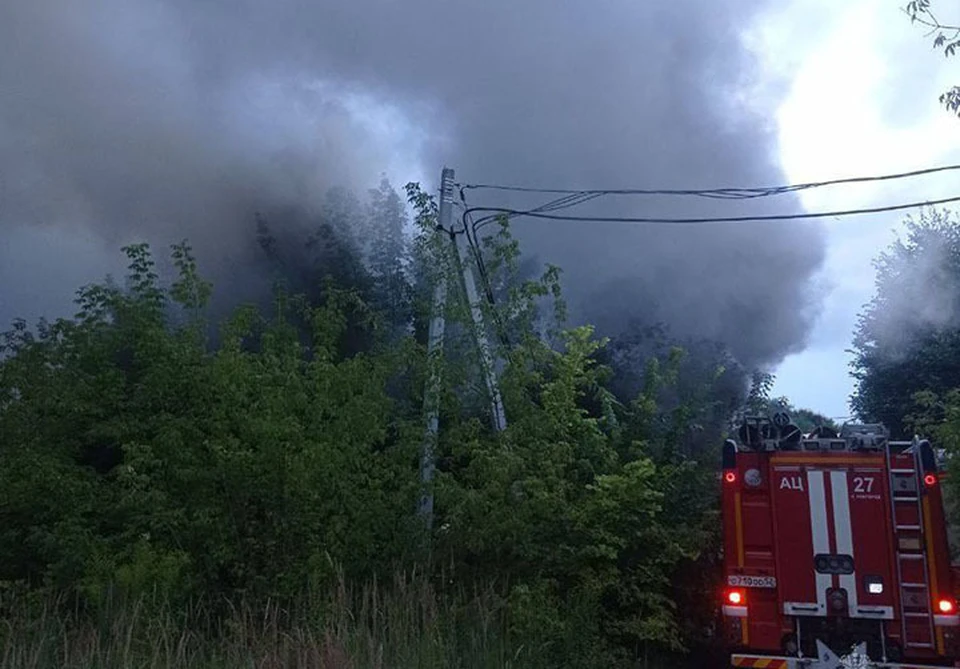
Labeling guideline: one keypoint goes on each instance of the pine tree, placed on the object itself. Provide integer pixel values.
(387, 244)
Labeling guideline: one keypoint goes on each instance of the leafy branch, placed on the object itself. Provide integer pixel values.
(945, 36)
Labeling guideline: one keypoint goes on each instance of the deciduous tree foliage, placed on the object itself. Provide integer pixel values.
(907, 339)
(137, 456)
(907, 345)
(945, 37)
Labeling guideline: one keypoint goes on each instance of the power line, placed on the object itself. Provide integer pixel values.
(553, 205)
(477, 253)
(722, 193)
(573, 198)
(726, 219)
(470, 232)
(557, 204)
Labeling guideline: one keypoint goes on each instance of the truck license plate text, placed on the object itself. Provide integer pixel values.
(752, 581)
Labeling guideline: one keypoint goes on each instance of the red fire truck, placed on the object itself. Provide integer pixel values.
(835, 550)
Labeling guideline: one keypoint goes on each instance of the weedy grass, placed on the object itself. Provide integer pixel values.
(403, 624)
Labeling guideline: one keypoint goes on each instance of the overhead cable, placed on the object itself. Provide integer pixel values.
(731, 193)
(701, 220)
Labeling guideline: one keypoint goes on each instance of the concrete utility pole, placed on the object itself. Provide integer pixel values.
(431, 396)
(497, 412)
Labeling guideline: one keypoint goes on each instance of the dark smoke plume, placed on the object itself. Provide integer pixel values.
(158, 119)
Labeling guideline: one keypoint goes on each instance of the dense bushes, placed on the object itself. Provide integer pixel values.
(139, 460)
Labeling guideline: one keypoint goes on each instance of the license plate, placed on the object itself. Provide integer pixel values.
(752, 581)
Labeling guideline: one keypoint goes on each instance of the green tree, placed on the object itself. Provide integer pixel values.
(586, 508)
(141, 457)
(338, 239)
(907, 338)
(308, 252)
(708, 374)
(387, 254)
(758, 398)
(133, 456)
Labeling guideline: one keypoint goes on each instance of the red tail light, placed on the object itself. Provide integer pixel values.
(730, 477)
(946, 606)
(736, 597)
(930, 480)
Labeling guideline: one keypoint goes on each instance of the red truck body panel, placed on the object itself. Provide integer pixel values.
(841, 544)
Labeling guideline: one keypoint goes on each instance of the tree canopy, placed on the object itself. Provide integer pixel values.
(907, 338)
(149, 450)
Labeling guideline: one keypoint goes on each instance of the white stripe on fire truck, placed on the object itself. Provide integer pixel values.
(844, 532)
(819, 532)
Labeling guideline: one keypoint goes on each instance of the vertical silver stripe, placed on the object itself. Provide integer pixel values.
(840, 493)
(818, 530)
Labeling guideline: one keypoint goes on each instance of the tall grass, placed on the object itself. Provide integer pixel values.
(403, 624)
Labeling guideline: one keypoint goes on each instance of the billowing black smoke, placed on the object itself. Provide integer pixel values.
(159, 119)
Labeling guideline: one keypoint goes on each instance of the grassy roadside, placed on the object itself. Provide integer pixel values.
(403, 625)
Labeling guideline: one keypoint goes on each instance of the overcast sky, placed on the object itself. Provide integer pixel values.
(862, 100)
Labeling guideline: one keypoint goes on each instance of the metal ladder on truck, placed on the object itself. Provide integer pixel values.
(910, 555)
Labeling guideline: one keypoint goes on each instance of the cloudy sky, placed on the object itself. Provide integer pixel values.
(126, 120)
(862, 99)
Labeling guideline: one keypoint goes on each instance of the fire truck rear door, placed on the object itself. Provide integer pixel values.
(861, 509)
(801, 533)
(832, 532)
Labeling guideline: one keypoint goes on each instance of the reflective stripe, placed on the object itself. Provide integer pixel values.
(760, 662)
(932, 567)
(946, 621)
(840, 494)
(735, 611)
(738, 518)
(819, 532)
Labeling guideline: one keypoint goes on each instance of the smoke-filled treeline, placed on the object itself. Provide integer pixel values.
(130, 120)
(906, 347)
(199, 479)
(907, 336)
